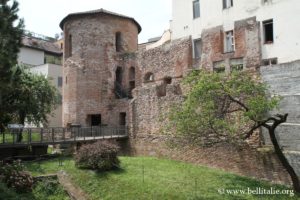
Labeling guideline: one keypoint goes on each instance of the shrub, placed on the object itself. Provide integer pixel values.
(14, 176)
(101, 155)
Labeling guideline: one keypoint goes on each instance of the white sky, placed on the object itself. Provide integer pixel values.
(44, 16)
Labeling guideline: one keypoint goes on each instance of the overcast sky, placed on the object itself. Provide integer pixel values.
(44, 16)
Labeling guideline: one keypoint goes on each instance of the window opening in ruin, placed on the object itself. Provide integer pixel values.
(122, 119)
(268, 31)
(167, 80)
(229, 42)
(118, 41)
(227, 4)
(197, 48)
(271, 61)
(59, 81)
(219, 66)
(196, 9)
(119, 73)
(149, 77)
(236, 64)
(66, 79)
(70, 46)
(95, 120)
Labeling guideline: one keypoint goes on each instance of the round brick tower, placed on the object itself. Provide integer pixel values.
(99, 67)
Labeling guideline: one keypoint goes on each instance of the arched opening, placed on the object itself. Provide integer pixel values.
(118, 41)
(120, 92)
(119, 72)
(149, 77)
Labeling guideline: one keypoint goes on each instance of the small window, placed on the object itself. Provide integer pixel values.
(167, 80)
(149, 77)
(271, 61)
(70, 46)
(227, 4)
(59, 81)
(219, 66)
(268, 31)
(197, 48)
(66, 80)
(196, 9)
(229, 42)
(122, 119)
(236, 64)
(118, 41)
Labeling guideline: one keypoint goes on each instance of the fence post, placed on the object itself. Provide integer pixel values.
(3, 137)
(42, 137)
(52, 134)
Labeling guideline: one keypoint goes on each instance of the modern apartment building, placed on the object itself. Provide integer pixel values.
(232, 24)
(43, 55)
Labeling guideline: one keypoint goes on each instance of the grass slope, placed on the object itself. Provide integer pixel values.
(152, 178)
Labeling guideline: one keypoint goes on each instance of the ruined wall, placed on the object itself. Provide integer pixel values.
(247, 45)
(155, 96)
(90, 65)
(149, 111)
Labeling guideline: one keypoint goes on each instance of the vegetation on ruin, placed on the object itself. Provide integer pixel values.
(153, 178)
(228, 108)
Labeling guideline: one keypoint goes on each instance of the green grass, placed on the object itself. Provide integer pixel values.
(9, 138)
(46, 189)
(152, 178)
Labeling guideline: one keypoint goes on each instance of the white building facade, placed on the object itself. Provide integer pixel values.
(44, 57)
(278, 24)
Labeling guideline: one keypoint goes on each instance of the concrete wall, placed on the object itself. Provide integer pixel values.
(29, 56)
(284, 80)
(285, 14)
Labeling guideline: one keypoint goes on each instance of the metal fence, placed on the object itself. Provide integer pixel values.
(60, 134)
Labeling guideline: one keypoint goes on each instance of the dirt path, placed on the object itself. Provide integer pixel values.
(74, 192)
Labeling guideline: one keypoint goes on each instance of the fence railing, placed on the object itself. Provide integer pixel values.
(60, 134)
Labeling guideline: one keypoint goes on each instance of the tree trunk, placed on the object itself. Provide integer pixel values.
(283, 160)
(22, 117)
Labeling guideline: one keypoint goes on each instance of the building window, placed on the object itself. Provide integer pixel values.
(268, 31)
(118, 41)
(59, 81)
(229, 42)
(196, 9)
(66, 80)
(219, 66)
(236, 64)
(227, 4)
(271, 61)
(149, 77)
(197, 48)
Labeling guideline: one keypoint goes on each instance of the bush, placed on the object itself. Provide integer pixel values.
(14, 176)
(101, 155)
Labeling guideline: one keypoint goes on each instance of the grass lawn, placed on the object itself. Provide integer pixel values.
(45, 190)
(152, 178)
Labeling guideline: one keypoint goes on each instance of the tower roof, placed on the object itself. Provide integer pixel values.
(99, 11)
